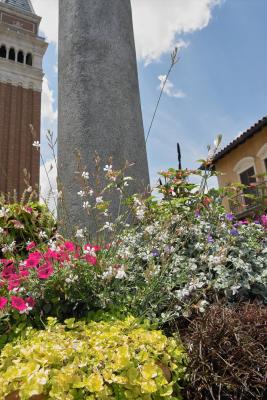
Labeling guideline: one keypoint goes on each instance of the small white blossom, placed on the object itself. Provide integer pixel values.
(81, 193)
(99, 200)
(42, 235)
(140, 213)
(121, 273)
(4, 212)
(108, 226)
(86, 205)
(36, 144)
(108, 168)
(108, 273)
(1, 231)
(203, 305)
(85, 175)
(9, 248)
(80, 233)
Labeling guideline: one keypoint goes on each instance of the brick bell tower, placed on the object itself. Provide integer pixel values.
(21, 75)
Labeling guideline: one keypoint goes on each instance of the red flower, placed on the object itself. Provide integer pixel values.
(23, 271)
(30, 246)
(30, 302)
(8, 270)
(28, 209)
(33, 260)
(91, 259)
(18, 303)
(3, 302)
(69, 246)
(45, 271)
(13, 281)
(90, 248)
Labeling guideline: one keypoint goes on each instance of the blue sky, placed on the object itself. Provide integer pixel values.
(222, 73)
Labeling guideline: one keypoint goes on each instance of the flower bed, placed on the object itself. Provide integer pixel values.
(183, 258)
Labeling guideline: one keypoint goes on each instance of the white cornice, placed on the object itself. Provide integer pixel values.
(17, 38)
(21, 75)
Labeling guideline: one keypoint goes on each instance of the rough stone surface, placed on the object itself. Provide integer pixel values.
(99, 101)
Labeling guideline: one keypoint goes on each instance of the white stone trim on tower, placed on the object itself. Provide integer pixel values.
(20, 75)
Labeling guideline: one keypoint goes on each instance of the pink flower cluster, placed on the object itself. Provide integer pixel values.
(42, 264)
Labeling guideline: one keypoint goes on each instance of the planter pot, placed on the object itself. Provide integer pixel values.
(15, 396)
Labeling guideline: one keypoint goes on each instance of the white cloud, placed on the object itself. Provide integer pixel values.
(48, 10)
(156, 22)
(48, 113)
(169, 89)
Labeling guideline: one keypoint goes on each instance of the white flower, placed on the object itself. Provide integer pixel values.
(85, 175)
(108, 226)
(80, 233)
(86, 205)
(42, 235)
(108, 168)
(52, 245)
(140, 213)
(91, 192)
(1, 231)
(4, 212)
(99, 200)
(36, 144)
(9, 247)
(203, 305)
(121, 273)
(81, 193)
(29, 189)
(235, 289)
(108, 273)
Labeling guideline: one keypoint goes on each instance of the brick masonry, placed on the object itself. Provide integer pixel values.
(19, 108)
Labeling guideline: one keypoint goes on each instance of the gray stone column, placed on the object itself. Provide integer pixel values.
(99, 101)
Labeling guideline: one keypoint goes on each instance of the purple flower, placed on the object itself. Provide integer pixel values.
(264, 220)
(234, 232)
(229, 216)
(197, 213)
(210, 239)
(155, 253)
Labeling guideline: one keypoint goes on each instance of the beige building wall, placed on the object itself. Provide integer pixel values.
(254, 149)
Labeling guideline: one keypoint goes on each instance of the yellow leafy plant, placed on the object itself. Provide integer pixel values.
(113, 359)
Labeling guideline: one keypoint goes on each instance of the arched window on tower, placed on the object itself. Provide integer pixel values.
(29, 59)
(3, 51)
(12, 54)
(20, 57)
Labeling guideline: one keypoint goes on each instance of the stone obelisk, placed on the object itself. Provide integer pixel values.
(99, 100)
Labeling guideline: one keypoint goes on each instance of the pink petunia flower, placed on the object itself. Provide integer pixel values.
(91, 259)
(30, 302)
(3, 302)
(69, 246)
(18, 303)
(264, 220)
(13, 282)
(24, 272)
(8, 270)
(45, 271)
(30, 246)
(33, 260)
(29, 210)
